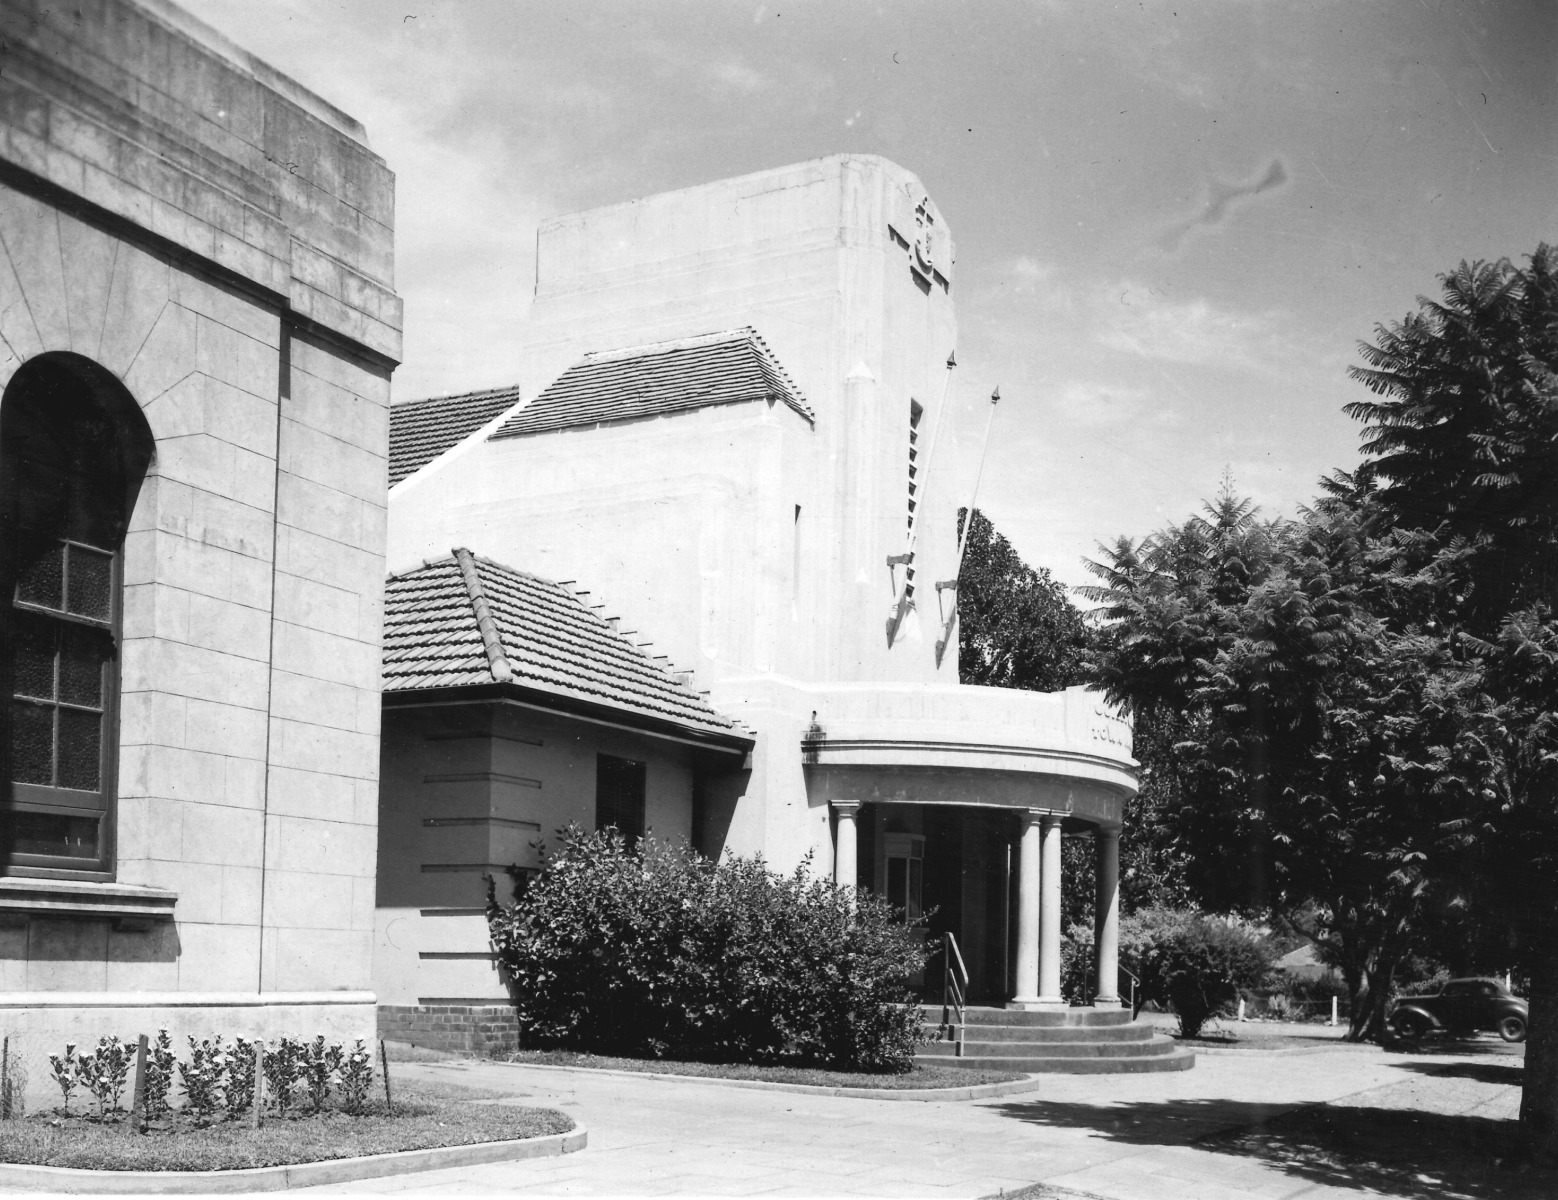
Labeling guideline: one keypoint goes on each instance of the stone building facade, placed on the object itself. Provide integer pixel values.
(198, 324)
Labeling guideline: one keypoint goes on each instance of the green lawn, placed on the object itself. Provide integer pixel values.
(426, 1115)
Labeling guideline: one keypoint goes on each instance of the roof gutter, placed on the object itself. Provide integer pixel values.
(732, 745)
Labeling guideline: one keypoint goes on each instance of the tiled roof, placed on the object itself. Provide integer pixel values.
(421, 430)
(538, 635)
(652, 381)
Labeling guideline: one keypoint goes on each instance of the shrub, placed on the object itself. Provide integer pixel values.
(1197, 963)
(159, 1075)
(105, 1071)
(202, 1076)
(240, 1078)
(658, 951)
(64, 1070)
(356, 1077)
(283, 1072)
(320, 1062)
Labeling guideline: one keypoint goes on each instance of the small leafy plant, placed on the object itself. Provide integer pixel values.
(356, 1077)
(65, 1071)
(283, 1071)
(240, 1078)
(202, 1076)
(320, 1062)
(159, 1075)
(105, 1071)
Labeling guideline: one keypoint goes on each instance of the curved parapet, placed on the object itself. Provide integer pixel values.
(1067, 752)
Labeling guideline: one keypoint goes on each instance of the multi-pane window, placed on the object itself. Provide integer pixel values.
(619, 795)
(73, 450)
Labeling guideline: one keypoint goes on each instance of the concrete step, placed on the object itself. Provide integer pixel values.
(992, 1050)
(1137, 1031)
(1017, 1016)
(1176, 1058)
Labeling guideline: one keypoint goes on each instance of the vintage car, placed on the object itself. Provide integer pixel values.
(1462, 1006)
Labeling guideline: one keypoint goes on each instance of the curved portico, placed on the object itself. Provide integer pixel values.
(1021, 769)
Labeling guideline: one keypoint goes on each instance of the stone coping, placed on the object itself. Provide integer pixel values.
(975, 1091)
(34, 1000)
(292, 1175)
(127, 904)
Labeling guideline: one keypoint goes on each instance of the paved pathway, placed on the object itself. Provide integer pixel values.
(1121, 1137)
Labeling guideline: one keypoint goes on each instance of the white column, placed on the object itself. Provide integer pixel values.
(1107, 923)
(1049, 916)
(1028, 911)
(844, 842)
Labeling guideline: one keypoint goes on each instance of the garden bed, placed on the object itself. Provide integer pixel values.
(426, 1115)
(920, 1077)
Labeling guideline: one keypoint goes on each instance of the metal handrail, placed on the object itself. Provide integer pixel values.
(1135, 982)
(954, 990)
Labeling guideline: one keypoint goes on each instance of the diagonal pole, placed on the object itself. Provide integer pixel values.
(968, 524)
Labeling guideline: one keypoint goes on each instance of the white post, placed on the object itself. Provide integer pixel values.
(1107, 908)
(1241, 1009)
(1049, 916)
(1333, 1010)
(1028, 911)
(844, 842)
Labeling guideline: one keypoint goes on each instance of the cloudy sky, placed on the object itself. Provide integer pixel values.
(1174, 221)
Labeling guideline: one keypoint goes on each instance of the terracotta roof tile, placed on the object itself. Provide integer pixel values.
(550, 640)
(421, 430)
(732, 367)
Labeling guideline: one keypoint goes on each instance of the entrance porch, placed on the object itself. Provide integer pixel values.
(952, 802)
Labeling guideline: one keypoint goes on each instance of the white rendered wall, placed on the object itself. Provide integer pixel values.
(686, 526)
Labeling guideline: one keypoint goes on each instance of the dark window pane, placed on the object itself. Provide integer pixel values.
(90, 575)
(51, 833)
(916, 907)
(81, 742)
(82, 652)
(42, 580)
(33, 664)
(619, 795)
(32, 743)
(898, 882)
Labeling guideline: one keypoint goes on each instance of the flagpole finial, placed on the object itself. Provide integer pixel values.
(995, 396)
(952, 359)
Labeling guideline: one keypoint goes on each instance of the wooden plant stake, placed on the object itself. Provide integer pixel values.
(137, 1120)
(5, 1079)
(259, 1084)
(384, 1066)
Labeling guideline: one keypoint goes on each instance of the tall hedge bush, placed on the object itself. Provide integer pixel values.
(1195, 962)
(657, 951)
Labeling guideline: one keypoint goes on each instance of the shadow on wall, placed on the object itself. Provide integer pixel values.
(41, 941)
(1407, 1153)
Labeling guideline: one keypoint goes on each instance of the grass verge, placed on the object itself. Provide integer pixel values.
(426, 1115)
(919, 1077)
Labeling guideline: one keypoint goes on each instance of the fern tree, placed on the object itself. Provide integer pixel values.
(1461, 442)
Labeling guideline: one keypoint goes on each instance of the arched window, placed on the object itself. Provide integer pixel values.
(74, 449)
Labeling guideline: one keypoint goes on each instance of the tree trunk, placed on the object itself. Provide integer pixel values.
(1367, 1023)
(1539, 1096)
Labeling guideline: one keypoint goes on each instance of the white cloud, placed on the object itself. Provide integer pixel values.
(1093, 403)
(1141, 321)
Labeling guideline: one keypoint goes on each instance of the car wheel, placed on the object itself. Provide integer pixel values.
(1411, 1026)
(1512, 1029)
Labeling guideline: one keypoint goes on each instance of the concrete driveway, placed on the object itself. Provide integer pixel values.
(1149, 1137)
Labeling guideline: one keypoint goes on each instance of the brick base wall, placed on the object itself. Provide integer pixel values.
(485, 1031)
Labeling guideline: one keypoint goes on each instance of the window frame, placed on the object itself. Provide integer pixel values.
(631, 837)
(44, 798)
(50, 402)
